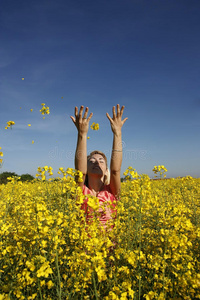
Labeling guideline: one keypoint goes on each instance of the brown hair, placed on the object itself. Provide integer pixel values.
(106, 177)
(97, 152)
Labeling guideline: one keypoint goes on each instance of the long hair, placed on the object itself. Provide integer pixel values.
(106, 179)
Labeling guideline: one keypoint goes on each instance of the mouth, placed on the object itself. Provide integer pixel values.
(97, 167)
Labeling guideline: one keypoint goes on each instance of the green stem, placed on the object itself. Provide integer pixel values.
(59, 282)
(95, 288)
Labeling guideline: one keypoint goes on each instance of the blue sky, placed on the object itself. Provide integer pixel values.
(141, 54)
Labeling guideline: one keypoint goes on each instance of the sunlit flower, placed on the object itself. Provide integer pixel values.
(10, 124)
(50, 284)
(44, 110)
(161, 170)
(94, 126)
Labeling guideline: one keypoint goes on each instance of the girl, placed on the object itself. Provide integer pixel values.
(96, 178)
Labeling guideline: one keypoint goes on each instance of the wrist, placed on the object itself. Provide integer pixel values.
(117, 150)
(82, 134)
(117, 133)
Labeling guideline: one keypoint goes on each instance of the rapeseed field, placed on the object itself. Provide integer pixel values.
(48, 250)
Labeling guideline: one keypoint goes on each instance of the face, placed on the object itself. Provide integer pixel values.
(97, 165)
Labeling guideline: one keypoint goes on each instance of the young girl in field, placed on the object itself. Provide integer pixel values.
(96, 178)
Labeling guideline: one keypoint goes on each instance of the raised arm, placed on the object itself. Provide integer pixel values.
(116, 123)
(82, 125)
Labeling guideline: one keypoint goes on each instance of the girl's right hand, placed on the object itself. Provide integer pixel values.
(81, 122)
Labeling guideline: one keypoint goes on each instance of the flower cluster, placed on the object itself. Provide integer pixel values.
(45, 109)
(42, 172)
(48, 250)
(71, 172)
(161, 170)
(94, 126)
(10, 124)
(130, 173)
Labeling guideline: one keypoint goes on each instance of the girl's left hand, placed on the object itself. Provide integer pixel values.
(116, 121)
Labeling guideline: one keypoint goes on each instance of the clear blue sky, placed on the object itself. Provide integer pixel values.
(141, 54)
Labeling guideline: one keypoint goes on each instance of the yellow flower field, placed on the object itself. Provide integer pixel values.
(49, 251)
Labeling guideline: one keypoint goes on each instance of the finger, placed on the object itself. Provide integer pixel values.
(109, 118)
(76, 111)
(81, 111)
(114, 114)
(118, 110)
(85, 114)
(73, 119)
(122, 110)
(90, 116)
(124, 121)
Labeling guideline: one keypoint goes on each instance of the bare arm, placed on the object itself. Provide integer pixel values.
(116, 157)
(82, 125)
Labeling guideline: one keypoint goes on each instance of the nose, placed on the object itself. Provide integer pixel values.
(96, 162)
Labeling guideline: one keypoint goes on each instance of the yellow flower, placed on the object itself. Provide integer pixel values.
(1, 153)
(44, 270)
(161, 170)
(22, 78)
(33, 142)
(10, 124)
(44, 110)
(94, 126)
(101, 273)
(88, 137)
(50, 284)
(31, 109)
(93, 202)
(29, 125)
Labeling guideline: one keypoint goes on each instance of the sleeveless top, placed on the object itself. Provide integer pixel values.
(107, 204)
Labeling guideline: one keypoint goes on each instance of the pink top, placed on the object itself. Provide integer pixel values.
(104, 196)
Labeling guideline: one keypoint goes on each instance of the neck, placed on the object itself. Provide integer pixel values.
(95, 184)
